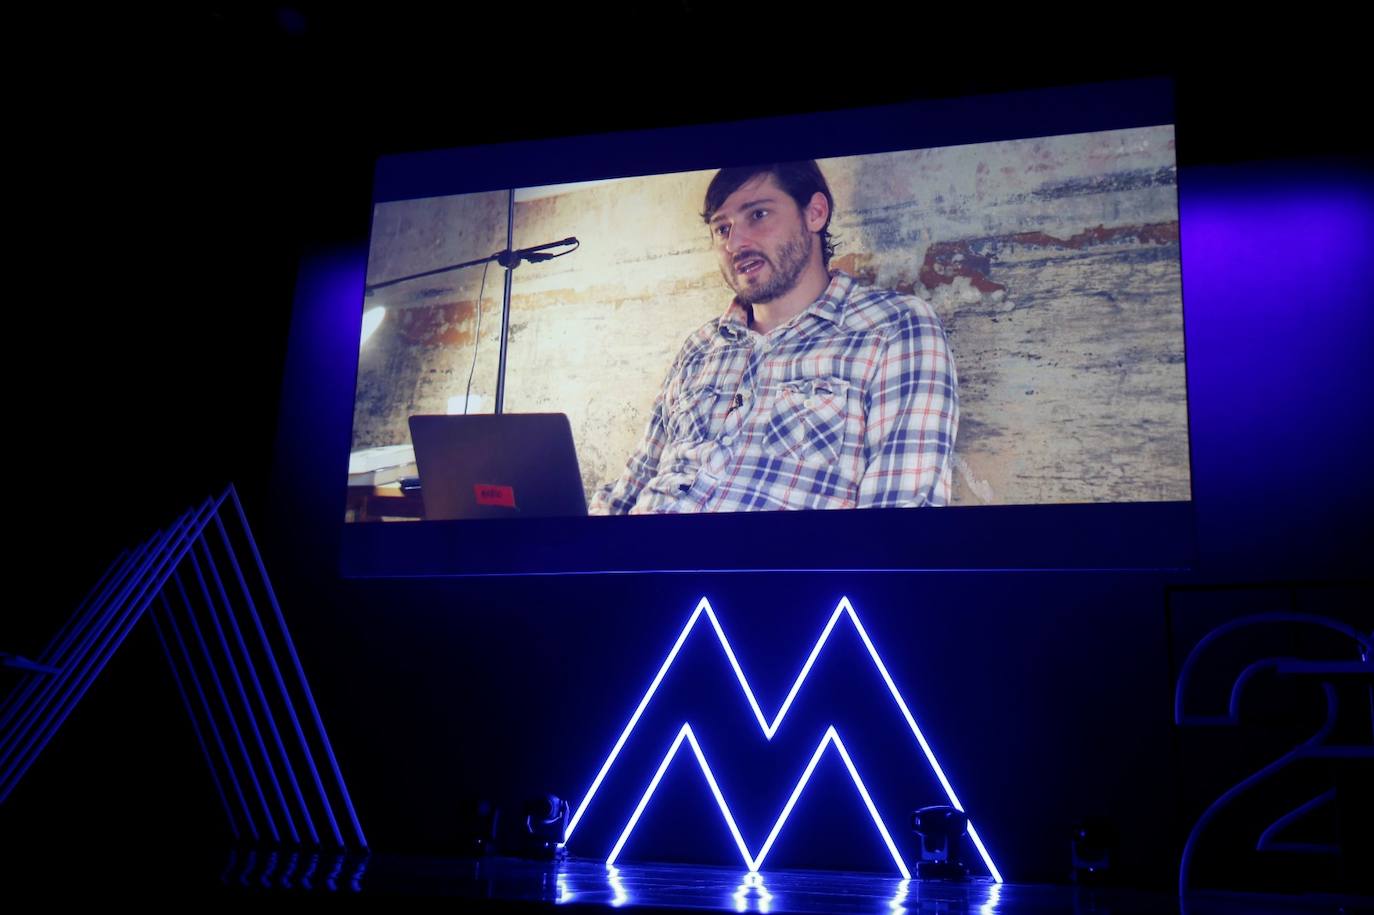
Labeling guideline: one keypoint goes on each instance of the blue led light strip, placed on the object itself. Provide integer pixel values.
(842, 609)
(754, 882)
(754, 863)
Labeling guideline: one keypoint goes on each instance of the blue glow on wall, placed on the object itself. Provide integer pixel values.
(1280, 323)
(842, 610)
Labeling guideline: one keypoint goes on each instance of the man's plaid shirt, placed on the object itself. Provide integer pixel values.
(852, 404)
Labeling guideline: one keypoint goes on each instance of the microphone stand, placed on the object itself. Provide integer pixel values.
(505, 304)
(510, 260)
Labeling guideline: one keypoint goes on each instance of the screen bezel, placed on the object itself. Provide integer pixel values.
(1155, 535)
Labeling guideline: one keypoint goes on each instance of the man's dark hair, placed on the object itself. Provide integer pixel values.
(801, 180)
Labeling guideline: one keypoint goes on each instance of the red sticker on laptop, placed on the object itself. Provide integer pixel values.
(489, 494)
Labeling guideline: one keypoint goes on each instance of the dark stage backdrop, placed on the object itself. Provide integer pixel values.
(1045, 696)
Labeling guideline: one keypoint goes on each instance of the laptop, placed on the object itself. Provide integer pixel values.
(516, 465)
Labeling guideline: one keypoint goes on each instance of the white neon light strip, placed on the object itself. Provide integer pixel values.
(752, 881)
(899, 898)
(843, 608)
(994, 895)
(618, 895)
(754, 863)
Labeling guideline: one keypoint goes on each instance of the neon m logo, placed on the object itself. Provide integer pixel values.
(832, 737)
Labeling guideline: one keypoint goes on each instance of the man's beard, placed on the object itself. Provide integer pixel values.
(792, 261)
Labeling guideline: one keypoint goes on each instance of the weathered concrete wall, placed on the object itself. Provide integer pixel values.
(1053, 264)
(422, 354)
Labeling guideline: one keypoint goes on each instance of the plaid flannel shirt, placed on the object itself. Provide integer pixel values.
(851, 404)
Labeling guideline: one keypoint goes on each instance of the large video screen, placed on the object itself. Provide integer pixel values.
(899, 327)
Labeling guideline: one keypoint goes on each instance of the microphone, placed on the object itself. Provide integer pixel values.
(534, 255)
(553, 244)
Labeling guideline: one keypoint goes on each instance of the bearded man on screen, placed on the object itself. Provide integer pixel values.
(809, 391)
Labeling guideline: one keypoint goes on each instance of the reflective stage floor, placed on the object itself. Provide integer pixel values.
(591, 884)
(267, 879)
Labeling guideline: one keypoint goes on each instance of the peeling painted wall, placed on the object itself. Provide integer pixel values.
(1054, 264)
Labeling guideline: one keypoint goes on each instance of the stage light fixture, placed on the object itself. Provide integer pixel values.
(939, 829)
(546, 827)
(1091, 844)
(478, 823)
